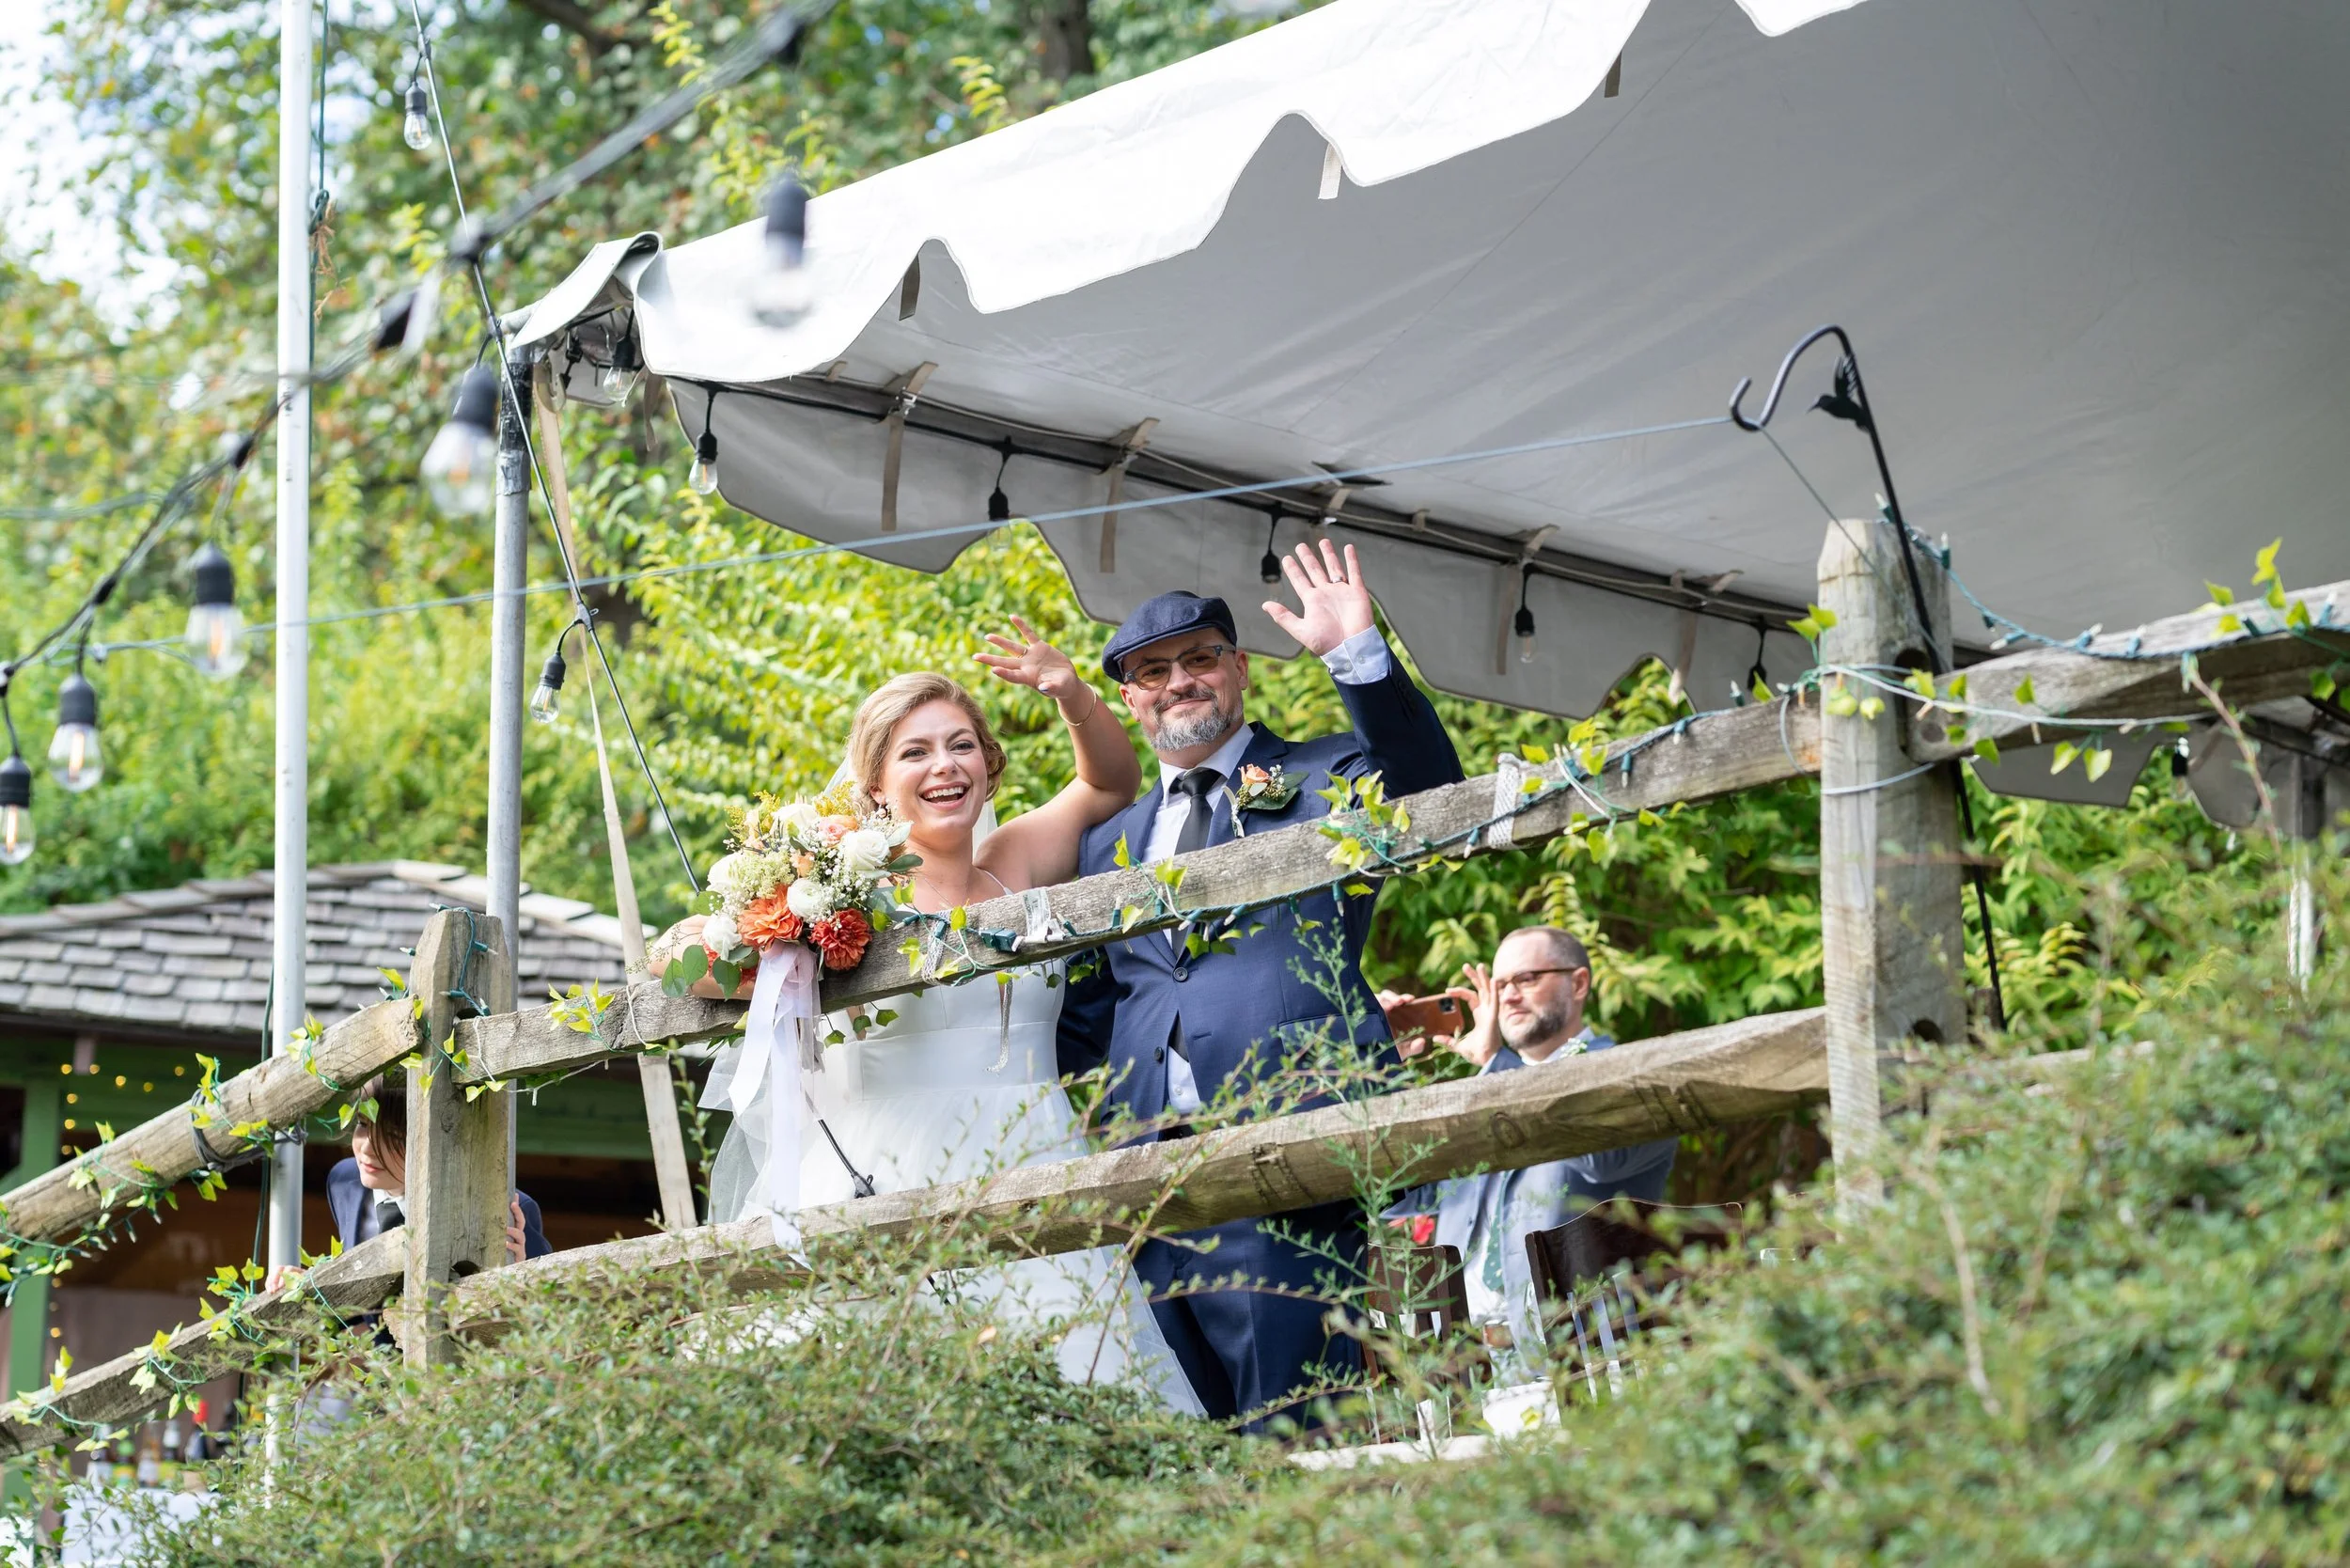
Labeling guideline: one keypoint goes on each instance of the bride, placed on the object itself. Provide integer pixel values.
(963, 1080)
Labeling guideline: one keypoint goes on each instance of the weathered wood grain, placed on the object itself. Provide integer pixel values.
(60, 1203)
(458, 1146)
(2066, 683)
(1890, 942)
(1661, 1088)
(517, 1044)
(359, 1280)
(1723, 753)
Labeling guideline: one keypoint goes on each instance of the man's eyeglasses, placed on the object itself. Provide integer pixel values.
(1524, 980)
(1156, 673)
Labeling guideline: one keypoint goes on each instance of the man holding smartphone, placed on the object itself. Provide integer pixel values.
(1527, 1012)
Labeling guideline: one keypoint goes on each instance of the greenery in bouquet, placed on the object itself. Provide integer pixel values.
(816, 870)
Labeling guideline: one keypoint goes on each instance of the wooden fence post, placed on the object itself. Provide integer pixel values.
(458, 1189)
(1891, 942)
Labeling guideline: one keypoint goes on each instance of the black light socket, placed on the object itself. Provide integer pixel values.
(551, 673)
(16, 782)
(77, 701)
(478, 401)
(215, 579)
(1524, 625)
(786, 217)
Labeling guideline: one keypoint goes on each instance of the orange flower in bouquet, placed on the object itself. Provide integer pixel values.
(769, 919)
(841, 938)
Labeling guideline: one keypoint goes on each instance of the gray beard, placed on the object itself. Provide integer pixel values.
(1547, 1025)
(1183, 734)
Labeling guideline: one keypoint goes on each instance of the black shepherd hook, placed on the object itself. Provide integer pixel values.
(1849, 401)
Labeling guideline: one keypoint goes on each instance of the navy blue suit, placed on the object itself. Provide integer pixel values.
(354, 1209)
(1242, 1013)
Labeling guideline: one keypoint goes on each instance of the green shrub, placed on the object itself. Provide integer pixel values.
(2151, 1370)
(706, 1428)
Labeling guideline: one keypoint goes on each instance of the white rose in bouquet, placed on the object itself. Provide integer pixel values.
(725, 877)
(719, 935)
(808, 898)
(798, 820)
(864, 852)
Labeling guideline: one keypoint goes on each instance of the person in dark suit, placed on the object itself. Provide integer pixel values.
(364, 1192)
(1177, 1025)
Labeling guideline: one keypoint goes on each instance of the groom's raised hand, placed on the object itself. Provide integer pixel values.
(1333, 602)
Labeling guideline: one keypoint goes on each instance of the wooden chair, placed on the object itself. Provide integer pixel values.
(1583, 1284)
(1416, 1293)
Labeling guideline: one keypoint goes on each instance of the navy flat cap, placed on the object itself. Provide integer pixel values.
(1165, 617)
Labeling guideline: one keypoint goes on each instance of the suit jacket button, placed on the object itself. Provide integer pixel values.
(1183, 974)
(1159, 1055)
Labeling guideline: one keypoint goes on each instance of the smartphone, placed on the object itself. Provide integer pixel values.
(1435, 1017)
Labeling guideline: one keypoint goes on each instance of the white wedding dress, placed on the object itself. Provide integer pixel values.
(960, 1084)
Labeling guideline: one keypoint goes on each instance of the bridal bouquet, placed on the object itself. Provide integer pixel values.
(811, 871)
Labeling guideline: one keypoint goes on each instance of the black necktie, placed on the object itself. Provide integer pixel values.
(1200, 784)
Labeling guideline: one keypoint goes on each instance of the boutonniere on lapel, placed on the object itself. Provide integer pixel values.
(1261, 790)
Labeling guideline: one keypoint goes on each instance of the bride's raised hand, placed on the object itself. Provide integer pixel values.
(1029, 661)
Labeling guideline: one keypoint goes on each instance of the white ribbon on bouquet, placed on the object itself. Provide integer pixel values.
(780, 1045)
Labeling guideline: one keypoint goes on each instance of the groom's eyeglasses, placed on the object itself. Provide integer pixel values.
(1195, 661)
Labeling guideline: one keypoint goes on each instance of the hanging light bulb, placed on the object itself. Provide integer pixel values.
(1524, 625)
(460, 466)
(16, 810)
(999, 504)
(1269, 569)
(703, 477)
(616, 380)
(74, 760)
(215, 634)
(546, 701)
(416, 130)
(785, 293)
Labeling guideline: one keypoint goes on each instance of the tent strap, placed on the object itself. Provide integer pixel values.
(908, 390)
(1131, 440)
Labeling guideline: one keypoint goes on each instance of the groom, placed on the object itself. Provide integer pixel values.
(1176, 1027)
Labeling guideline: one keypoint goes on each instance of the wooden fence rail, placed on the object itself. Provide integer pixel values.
(1678, 1083)
(168, 1149)
(111, 1393)
(1889, 936)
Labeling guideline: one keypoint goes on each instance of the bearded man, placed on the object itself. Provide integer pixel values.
(1527, 1011)
(1185, 1018)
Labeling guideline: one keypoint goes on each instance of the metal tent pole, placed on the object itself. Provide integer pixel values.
(289, 991)
(507, 568)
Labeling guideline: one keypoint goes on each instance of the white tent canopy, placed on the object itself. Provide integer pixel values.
(2091, 252)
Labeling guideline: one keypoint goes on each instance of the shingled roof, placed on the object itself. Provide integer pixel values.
(195, 959)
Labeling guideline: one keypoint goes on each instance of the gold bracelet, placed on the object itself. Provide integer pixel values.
(1074, 724)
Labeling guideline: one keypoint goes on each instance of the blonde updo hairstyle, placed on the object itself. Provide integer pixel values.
(879, 715)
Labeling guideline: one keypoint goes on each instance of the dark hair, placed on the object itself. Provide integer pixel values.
(1565, 946)
(388, 1121)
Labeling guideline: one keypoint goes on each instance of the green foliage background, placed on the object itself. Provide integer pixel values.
(739, 679)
